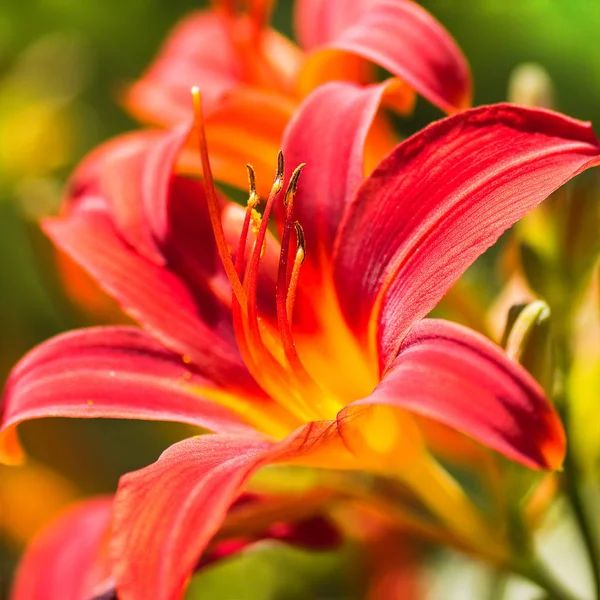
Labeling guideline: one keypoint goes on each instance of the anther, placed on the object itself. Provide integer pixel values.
(301, 241)
(292, 186)
(279, 173)
(253, 198)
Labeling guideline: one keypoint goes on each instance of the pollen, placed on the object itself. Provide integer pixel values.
(255, 219)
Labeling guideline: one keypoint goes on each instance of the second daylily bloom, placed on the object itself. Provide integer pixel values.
(252, 78)
(307, 348)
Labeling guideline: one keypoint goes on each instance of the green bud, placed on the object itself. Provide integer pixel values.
(527, 340)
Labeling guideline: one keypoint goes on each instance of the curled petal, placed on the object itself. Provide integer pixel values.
(68, 559)
(116, 372)
(438, 201)
(166, 514)
(398, 35)
(452, 375)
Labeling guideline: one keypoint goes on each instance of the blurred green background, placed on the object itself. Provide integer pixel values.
(62, 64)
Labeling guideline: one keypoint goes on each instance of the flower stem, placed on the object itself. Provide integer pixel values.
(498, 584)
(570, 478)
(537, 573)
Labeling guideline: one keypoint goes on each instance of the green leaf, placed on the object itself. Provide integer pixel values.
(274, 571)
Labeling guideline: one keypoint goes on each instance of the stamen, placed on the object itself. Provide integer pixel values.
(213, 205)
(271, 372)
(282, 294)
(278, 183)
(292, 187)
(251, 286)
(253, 200)
(300, 256)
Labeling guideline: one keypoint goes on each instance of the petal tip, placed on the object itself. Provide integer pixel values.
(11, 451)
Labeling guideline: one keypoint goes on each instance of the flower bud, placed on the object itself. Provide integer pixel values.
(527, 340)
(530, 85)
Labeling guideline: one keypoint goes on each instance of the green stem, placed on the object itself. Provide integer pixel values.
(537, 573)
(570, 478)
(498, 584)
(571, 475)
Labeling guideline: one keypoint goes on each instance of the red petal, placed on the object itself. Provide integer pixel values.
(218, 55)
(194, 325)
(200, 51)
(439, 201)
(68, 559)
(457, 377)
(162, 216)
(117, 372)
(114, 173)
(166, 514)
(399, 36)
(328, 133)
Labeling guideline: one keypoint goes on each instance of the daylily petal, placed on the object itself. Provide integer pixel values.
(68, 559)
(398, 35)
(117, 372)
(242, 80)
(247, 127)
(162, 216)
(339, 116)
(217, 53)
(114, 172)
(200, 51)
(438, 201)
(451, 374)
(197, 327)
(166, 514)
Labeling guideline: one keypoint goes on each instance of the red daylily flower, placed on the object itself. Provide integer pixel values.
(252, 78)
(320, 357)
(69, 560)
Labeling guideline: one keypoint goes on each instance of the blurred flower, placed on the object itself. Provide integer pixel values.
(69, 559)
(320, 357)
(252, 78)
